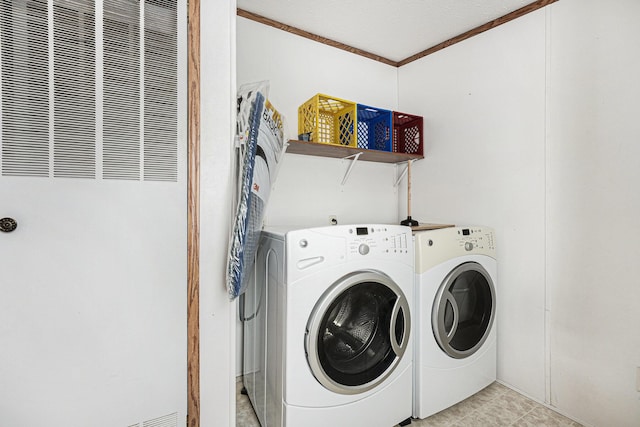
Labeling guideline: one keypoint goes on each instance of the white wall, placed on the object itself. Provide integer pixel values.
(593, 203)
(217, 313)
(483, 101)
(532, 128)
(308, 189)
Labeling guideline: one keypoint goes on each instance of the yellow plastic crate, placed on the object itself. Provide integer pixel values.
(328, 120)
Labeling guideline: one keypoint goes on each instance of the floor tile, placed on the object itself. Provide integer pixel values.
(494, 406)
(542, 416)
(484, 396)
(510, 401)
(441, 419)
(487, 419)
(245, 415)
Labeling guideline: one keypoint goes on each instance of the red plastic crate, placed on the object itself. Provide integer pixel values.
(408, 133)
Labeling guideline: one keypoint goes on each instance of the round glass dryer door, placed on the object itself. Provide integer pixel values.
(463, 310)
(358, 332)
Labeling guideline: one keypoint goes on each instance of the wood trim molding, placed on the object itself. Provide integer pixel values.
(478, 30)
(193, 216)
(464, 36)
(302, 33)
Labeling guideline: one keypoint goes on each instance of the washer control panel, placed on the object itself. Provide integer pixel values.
(317, 248)
(379, 240)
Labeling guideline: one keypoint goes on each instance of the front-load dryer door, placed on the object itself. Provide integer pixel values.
(358, 332)
(464, 310)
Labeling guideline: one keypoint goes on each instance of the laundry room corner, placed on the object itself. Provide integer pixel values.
(529, 130)
(484, 164)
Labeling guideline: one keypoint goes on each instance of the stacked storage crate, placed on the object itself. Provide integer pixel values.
(407, 133)
(329, 120)
(374, 128)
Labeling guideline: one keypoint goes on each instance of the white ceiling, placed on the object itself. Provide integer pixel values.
(394, 29)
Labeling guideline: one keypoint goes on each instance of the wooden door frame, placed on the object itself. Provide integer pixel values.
(193, 215)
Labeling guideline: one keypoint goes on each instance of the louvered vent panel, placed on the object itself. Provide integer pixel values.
(74, 88)
(170, 420)
(160, 91)
(121, 117)
(48, 92)
(25, 88)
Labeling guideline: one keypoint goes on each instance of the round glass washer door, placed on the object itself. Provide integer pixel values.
(358, 332)
(464, 310)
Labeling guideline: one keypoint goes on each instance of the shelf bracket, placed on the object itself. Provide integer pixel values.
(354, 158)
(404, 172)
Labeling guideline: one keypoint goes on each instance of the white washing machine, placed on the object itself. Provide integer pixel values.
(335, 308)
(454, 314)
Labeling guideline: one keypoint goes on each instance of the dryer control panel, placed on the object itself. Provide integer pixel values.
(433, 247)
(475, 239)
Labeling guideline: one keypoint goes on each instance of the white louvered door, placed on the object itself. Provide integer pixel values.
(93, 170)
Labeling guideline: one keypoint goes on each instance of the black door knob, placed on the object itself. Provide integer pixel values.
(8, 225)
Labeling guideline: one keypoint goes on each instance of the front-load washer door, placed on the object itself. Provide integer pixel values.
(464, 310)
(358, 332)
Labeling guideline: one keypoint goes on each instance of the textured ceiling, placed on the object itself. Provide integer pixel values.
(393, 29)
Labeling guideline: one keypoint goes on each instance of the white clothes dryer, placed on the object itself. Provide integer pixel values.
(455, 296)
(337, 320)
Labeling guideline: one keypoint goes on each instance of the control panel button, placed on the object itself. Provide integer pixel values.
(468, 246)
(363, 249)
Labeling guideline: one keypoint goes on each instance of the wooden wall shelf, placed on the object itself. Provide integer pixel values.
(340, 152)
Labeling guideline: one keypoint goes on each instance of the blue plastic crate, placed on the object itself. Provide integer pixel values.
(375, 127)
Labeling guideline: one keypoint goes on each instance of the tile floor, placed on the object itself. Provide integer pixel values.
(496, 405)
